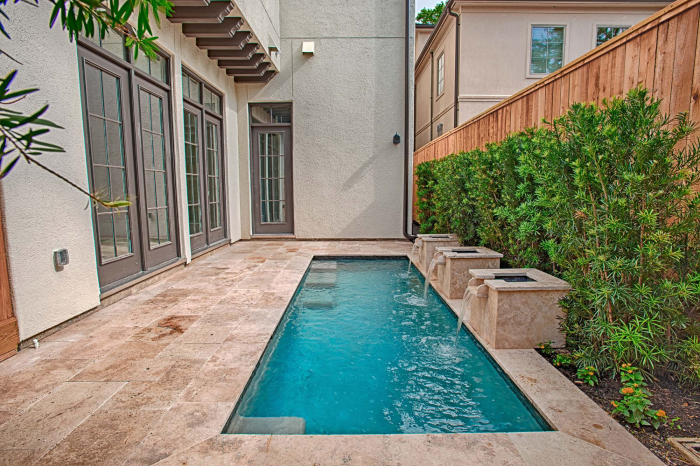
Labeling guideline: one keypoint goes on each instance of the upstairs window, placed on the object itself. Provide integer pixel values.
(441, 75)
(605, 33)
(546, 49)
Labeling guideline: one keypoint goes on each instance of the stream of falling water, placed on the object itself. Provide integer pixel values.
(466, 303)
(433, 263)
(416, 243)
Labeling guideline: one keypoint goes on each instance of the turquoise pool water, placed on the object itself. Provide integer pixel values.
(360, 352)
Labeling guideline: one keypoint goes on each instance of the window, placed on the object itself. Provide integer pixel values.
(605, 33)
(546, 49)
(190, 87)
(112, 43)
(441, 75)
(212, 101)
(272, 114)
(203, 162)
(157, 68)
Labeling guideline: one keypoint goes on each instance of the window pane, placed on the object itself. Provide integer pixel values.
(546, 49)
(261, 114)
(192, 173)
(190, 87)
(105, 233)
(213, 175)
(157, 68)
(121, 233)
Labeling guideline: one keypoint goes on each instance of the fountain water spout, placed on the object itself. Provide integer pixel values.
(416, 244)
(466, 303)
(438, 258)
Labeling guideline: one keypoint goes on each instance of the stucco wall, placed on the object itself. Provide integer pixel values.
(42, 214)
(348, 102)
(495, 44)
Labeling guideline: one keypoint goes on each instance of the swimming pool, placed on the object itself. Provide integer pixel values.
(359, 351)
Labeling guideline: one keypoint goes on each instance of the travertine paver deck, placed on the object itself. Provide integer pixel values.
(154, 377)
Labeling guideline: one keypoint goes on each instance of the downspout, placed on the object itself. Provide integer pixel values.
(432, 89)
(407, 188)
(456, 104)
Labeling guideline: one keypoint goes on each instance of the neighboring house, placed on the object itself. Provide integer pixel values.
(267, 118)
(504, 46)
(423, 32)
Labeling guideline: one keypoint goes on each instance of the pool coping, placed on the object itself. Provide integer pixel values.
(584, 433)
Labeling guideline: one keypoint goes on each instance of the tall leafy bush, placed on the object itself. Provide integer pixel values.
(604, 198)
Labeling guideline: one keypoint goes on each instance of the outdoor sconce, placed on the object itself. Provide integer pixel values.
(397, 138)
(307, 48)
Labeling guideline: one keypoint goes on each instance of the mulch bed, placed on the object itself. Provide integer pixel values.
(667, 395)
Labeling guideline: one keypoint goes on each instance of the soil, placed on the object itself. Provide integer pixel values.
(667, 395)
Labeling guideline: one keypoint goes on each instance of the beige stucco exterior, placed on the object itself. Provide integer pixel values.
(347, 100)
(348, 103)
(494, 52)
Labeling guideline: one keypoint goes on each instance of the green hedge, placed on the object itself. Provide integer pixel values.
(603, 198)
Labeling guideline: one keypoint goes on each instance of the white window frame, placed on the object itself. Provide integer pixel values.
(565, 48)
(594, 44)
(441, 80)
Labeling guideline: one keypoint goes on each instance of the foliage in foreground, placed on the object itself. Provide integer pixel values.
(603, 198)
(20, 133)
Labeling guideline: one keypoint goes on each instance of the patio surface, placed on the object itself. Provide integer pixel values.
(154, 377)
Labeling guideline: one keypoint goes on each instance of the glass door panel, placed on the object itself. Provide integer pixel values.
(155, 163)
(194, 178)
(110, 157)
(214, 185)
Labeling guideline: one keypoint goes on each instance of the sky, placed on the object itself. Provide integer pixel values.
(420, 4)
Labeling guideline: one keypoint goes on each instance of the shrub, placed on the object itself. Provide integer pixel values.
(603, 198)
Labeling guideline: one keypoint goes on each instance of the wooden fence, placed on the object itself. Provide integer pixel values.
(659, 53)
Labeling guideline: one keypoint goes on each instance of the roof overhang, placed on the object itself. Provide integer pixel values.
(219, 28)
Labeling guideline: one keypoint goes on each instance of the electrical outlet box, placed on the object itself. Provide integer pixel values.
(60, 258)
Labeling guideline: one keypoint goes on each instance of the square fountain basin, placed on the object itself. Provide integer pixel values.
(430, 244)
(453, 277)
(516, 308)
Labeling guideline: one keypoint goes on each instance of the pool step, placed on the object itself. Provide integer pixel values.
(324, 265)
(267, 425)
(324, 304)
(320, 280)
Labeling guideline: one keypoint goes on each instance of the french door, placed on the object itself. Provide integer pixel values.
(273, 211)
(204, 162)
(127, 135)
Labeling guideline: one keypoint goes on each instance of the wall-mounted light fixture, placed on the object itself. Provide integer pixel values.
(397, 138)
(307, 48)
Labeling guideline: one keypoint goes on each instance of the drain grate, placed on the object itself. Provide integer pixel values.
(688, 447)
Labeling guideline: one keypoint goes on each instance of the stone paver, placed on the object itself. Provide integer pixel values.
(154, 377)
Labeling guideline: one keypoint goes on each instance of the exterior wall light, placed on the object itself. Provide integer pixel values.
(397, 138)
(307, 48)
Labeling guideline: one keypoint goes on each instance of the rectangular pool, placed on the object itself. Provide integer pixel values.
(359, 351)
